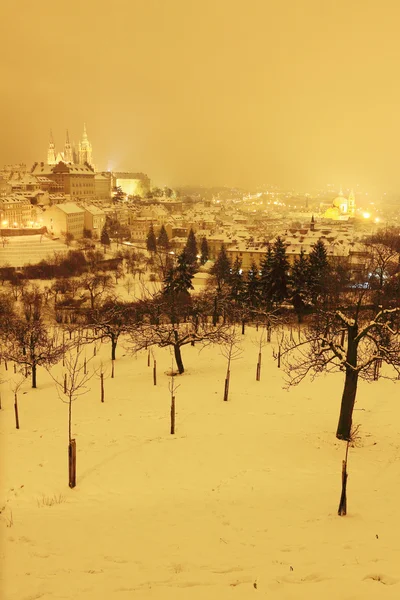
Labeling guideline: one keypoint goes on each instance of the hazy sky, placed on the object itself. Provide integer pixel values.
(295, 93)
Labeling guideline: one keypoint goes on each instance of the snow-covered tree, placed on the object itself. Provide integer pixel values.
(355, 340)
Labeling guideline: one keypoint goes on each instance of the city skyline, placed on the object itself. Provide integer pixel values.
(221, 93)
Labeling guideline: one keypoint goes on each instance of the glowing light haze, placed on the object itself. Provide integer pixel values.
(296, 93)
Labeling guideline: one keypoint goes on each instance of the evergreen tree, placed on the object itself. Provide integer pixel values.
(299, 276)
(222, 268)
(163, 241)
(179, 279)
(266, 280)
(191, 248)
(105, 238)
(252, 291)
(279, 273)
(236, 281)
(299, 281)
(318, 269)
(204, 251)
(151, 242)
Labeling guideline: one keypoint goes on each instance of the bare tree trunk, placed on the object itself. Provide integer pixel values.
(16, 411)
(348, 399)
(72, 464)
(342, 511)
(113, 347)
(155, 372)
(34, 375)
(172, 415)
(178, 359)
(258, 371)
(226, 388)
(112, 368)
(102, 387)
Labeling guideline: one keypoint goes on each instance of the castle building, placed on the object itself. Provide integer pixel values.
(70, 155)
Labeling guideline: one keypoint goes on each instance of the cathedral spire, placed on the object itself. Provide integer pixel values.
(85, 149)
(68, 158)
(51, 152)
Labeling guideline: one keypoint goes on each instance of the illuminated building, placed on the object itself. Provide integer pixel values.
(15, 211)
(67, 218)
(342, 208)
(69, 154)
(76, 180)
(132, 184)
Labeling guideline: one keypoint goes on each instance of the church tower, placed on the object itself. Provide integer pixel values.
(68, 158)
(51, 152)
(85, 149)
(351, 208)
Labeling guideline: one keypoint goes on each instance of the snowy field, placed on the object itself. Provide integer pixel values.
(29, 249)
(241, 503)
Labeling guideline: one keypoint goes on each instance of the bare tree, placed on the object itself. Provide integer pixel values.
(28, 340)
(71, 385)
(110, 320)
(172, 388)
(231, 350)
(101, 372)
(177, 335)
(16, 386)
(351, 340)
(97, 285)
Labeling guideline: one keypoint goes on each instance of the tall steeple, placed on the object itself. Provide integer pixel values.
(85, 149)
(51, 152)
(68, 158)
(351, 204)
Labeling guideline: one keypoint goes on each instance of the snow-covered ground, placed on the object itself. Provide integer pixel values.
(241, 503)
(21, 250)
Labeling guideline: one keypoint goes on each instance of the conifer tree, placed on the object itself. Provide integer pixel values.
(279, 273)
(237, 281)
(163, 240)
(204, 251)
(191, 248)
(105, 238)
(179, 279)
(299, 280)
(222, 268)
(252, 291)
(318, 268)
(266, 280)
(151, 242)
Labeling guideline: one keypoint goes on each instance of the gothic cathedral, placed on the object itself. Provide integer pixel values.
(70, 155)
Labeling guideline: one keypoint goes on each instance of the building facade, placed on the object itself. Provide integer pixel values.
(64, 219)
(76, 180)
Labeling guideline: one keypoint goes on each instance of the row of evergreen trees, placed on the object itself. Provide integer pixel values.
(272, 282)
(263, 287)
(191, 250)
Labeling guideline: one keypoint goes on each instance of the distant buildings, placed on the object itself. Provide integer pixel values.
(76, 180)
(15, 211)
(342, 208)
(70, 155)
